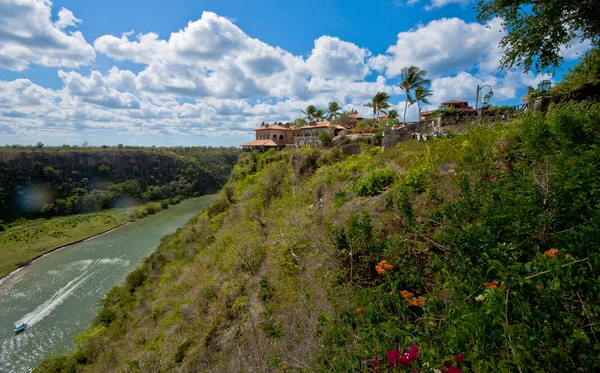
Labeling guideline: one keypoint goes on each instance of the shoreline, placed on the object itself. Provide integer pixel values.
(40, 256)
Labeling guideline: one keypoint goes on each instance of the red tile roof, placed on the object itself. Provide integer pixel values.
(273, 127)
(318, 125)
(454, 102)
(262, 143)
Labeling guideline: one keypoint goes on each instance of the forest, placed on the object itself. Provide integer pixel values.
(45, 182)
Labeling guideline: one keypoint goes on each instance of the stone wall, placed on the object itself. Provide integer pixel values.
(392, 136)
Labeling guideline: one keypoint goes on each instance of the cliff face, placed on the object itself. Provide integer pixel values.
(483, 244)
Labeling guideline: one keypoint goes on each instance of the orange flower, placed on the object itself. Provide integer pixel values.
(406, 294)
(417, 302)
(493, 285)
(551, 253)
(359, 310)
(382, 266)
(540, 286)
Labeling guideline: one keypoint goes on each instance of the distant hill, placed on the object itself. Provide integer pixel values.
(60, 181)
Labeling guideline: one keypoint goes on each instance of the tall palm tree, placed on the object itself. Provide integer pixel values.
(379, 103)
(334, 110)
(421, 94)
(412, 78)
(319, 115)
(310, 112)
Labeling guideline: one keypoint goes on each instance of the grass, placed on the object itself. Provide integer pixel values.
(281, 272)
(22, 243)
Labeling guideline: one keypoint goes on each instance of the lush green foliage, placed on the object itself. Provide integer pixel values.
(538, 31)
(485, 246)
(62, 181)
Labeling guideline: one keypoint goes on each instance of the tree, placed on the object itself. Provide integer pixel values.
(421, 94)
(320, 115)
(379, 103)
(310, 112)
(39, 145)
(411, 79)
(334, 110)
(393, 115)
(537, 31)
(299, 122)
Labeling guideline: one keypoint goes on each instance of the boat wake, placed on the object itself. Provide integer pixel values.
(58, 298)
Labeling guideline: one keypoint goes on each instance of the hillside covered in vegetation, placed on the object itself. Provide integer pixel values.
(474, 253)
(44, 182)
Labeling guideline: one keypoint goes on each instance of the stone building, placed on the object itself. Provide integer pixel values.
(309, 135)
(271, 136)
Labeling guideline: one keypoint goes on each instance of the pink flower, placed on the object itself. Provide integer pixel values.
(447, 364)
(459, 359)
(404, 359)
(376, 363)
(392, 357)
(413, 353)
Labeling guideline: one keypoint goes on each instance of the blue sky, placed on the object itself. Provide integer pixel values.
(207, 72)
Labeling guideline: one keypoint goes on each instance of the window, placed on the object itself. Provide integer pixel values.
(280, 137)
(274, 137)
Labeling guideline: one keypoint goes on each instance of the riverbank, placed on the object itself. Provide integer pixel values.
(58, 293)
(22, 244)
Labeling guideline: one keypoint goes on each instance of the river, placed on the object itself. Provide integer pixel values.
(58, 293)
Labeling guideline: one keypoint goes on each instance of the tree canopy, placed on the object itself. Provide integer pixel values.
(538, 30)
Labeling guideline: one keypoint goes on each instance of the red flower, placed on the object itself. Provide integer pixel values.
(447, 364)
(404, 359)
(459, 358)
(376, 363)
(392, 357)
(413, 353)
(454, 370)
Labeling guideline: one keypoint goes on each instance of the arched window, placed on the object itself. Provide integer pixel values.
(274, 137)
(280, 137)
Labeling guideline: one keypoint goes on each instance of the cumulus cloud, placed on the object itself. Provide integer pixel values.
(27, 35)
(334, 58)
(442, 46)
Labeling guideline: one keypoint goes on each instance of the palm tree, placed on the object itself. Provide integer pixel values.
(310, 112)
(379, 103)
(421, 94)
(319, 115)
(412, 78)
(334, 110)
(393, 115)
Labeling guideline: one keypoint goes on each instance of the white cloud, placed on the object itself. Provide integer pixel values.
(27, 35)
(440, 3)
(443, 46)
(334, 58)
(66, 19)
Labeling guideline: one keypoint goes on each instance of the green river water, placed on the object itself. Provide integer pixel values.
(58, 293)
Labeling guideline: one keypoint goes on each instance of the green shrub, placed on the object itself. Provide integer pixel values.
(339, 198)
(135, 279)
(374, 182)
(105, 317)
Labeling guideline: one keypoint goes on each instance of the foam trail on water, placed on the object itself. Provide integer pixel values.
(115, 261)
(60, 296)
